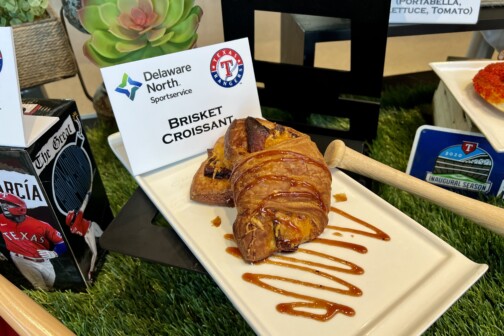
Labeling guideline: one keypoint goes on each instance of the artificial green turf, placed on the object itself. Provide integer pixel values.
(136, 297)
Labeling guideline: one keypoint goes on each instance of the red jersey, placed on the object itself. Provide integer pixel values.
(78, 224)
(28, 236)
(6, 329)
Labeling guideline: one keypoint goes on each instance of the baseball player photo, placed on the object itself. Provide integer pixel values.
(32, 243)
(87, 229)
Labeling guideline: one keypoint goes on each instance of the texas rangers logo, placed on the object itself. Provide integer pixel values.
(226, 67)
(469, 147)
(128, 87)
(1, 61)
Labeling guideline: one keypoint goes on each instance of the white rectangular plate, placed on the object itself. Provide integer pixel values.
(458, 76)
(408, 281)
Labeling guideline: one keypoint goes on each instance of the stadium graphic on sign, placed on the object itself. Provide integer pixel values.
(464, 166)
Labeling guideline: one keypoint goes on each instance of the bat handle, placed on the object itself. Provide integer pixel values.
(25, 316)
(484, 214)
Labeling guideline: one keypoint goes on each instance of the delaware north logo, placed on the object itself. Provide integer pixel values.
(128, 87)
(226, 67)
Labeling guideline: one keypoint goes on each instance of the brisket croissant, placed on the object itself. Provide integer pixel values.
(280, 186)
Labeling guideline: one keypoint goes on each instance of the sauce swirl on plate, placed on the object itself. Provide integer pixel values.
(308, 304)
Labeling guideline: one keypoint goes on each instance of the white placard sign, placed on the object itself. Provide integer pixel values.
(18, 130)
(175, 106)
(435, 11)
(11, 116)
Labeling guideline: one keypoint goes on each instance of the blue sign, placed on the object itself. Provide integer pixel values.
(463, 162)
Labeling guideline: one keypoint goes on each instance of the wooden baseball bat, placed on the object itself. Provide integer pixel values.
(489, 216)
(25, 316)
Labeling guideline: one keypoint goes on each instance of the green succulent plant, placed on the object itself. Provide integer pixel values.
(129, 30)
(13, 12)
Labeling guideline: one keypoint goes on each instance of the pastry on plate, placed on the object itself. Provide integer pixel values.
(489, 84)
(279, 183)
(210, 184)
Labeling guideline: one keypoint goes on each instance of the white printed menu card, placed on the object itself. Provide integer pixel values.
(435, 11)
(175, 106)
(18, 130)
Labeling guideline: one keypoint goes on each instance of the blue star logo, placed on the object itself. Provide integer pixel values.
(128, 87)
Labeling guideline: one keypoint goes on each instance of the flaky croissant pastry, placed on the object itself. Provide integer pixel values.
(279, 184)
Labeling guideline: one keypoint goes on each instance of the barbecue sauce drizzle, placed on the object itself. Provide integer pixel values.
(276, 156)
(310, 302)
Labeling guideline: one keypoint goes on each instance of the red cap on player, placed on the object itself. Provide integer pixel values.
(19, 206)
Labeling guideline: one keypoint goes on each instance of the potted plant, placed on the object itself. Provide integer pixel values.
(43, 51)
(129, 30)
(14, 12)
